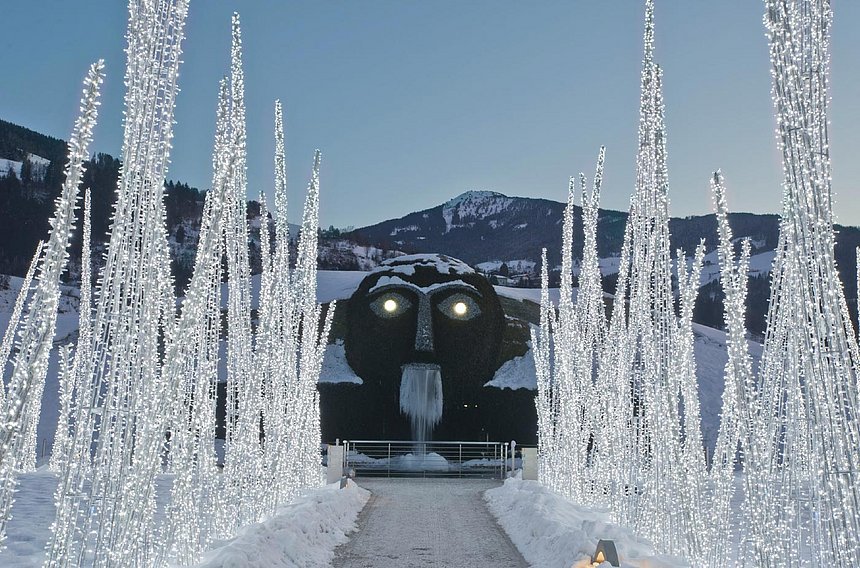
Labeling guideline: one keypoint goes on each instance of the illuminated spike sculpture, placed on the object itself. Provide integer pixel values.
(808, 433)
(192, 371)
(738, 391)
(15, 319)
(24, 395)
(624, 399)
(122, 386)
(69, 376)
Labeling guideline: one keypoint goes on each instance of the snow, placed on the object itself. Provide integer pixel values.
(517, 373)
(515, 266)
(335, 284)
(552, 532)
(711, 358)
(473, 205)
(609, 265)
(303, 534)
(335, 368)
(530, 294)
(38, 161)
(6, 165)
(39, 166)
(410, 228)
(443, 264)
(33, 513)
(759, 264)
(385, 281)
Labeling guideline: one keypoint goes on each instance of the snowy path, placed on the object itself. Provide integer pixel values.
(412, 523)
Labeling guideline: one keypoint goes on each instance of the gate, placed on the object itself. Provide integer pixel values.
(398, 458)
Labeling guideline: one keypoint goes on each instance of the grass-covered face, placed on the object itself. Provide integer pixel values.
(424, 310)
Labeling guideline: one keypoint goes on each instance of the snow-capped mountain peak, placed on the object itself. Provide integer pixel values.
(471, 206)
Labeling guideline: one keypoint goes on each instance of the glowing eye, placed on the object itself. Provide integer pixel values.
(459, 307)
(390, 305)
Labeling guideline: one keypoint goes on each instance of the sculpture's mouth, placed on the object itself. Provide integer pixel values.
(421, 397)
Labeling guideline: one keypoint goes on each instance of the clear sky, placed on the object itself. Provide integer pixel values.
(414, 102)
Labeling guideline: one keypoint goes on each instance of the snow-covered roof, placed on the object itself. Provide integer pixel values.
(406, 264)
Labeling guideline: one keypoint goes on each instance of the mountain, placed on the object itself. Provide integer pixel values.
(31, 175)
(500, 235)
(483, 226)
(497, 233)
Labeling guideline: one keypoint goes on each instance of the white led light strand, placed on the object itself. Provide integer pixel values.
(24, 394)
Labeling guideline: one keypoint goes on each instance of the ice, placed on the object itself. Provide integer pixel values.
(421, 399)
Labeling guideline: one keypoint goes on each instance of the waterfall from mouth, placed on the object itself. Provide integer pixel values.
(421, 400)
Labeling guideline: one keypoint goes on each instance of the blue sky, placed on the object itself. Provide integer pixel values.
(414, 102)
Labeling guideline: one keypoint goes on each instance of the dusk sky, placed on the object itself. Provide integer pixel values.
(414, 102)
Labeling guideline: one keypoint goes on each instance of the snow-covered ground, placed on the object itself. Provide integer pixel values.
(552, 532)
(759, 264)
(518, 373)
(516, 266)
(38, 163)
(304, 534)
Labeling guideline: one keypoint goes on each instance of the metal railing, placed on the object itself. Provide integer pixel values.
(398, 458)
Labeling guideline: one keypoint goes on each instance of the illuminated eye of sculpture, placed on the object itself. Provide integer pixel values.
(390, 305)
(459, 307)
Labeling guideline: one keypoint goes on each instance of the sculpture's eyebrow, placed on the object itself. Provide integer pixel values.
(386, 282)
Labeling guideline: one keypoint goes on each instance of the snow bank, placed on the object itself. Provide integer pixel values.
(302, 534)
(552, 532)
(516, 373)
(335, 368)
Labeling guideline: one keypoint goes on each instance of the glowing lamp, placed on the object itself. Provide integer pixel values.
(389, 306)
(605, 552)
(460, 308)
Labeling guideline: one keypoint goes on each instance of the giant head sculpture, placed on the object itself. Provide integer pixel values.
(423, 333)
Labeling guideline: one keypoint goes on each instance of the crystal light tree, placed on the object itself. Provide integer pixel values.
(244, 404)
(24, 396)
(69, 376)
(664, 455)
(807, 444)
(15, 318)
(738, 399)
(122, 383)
(191, 371)
(621, 403)
(141, 390)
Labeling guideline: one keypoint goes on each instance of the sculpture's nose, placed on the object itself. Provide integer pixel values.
(424, 329)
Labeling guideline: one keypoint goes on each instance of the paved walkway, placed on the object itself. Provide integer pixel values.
(414, 523)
